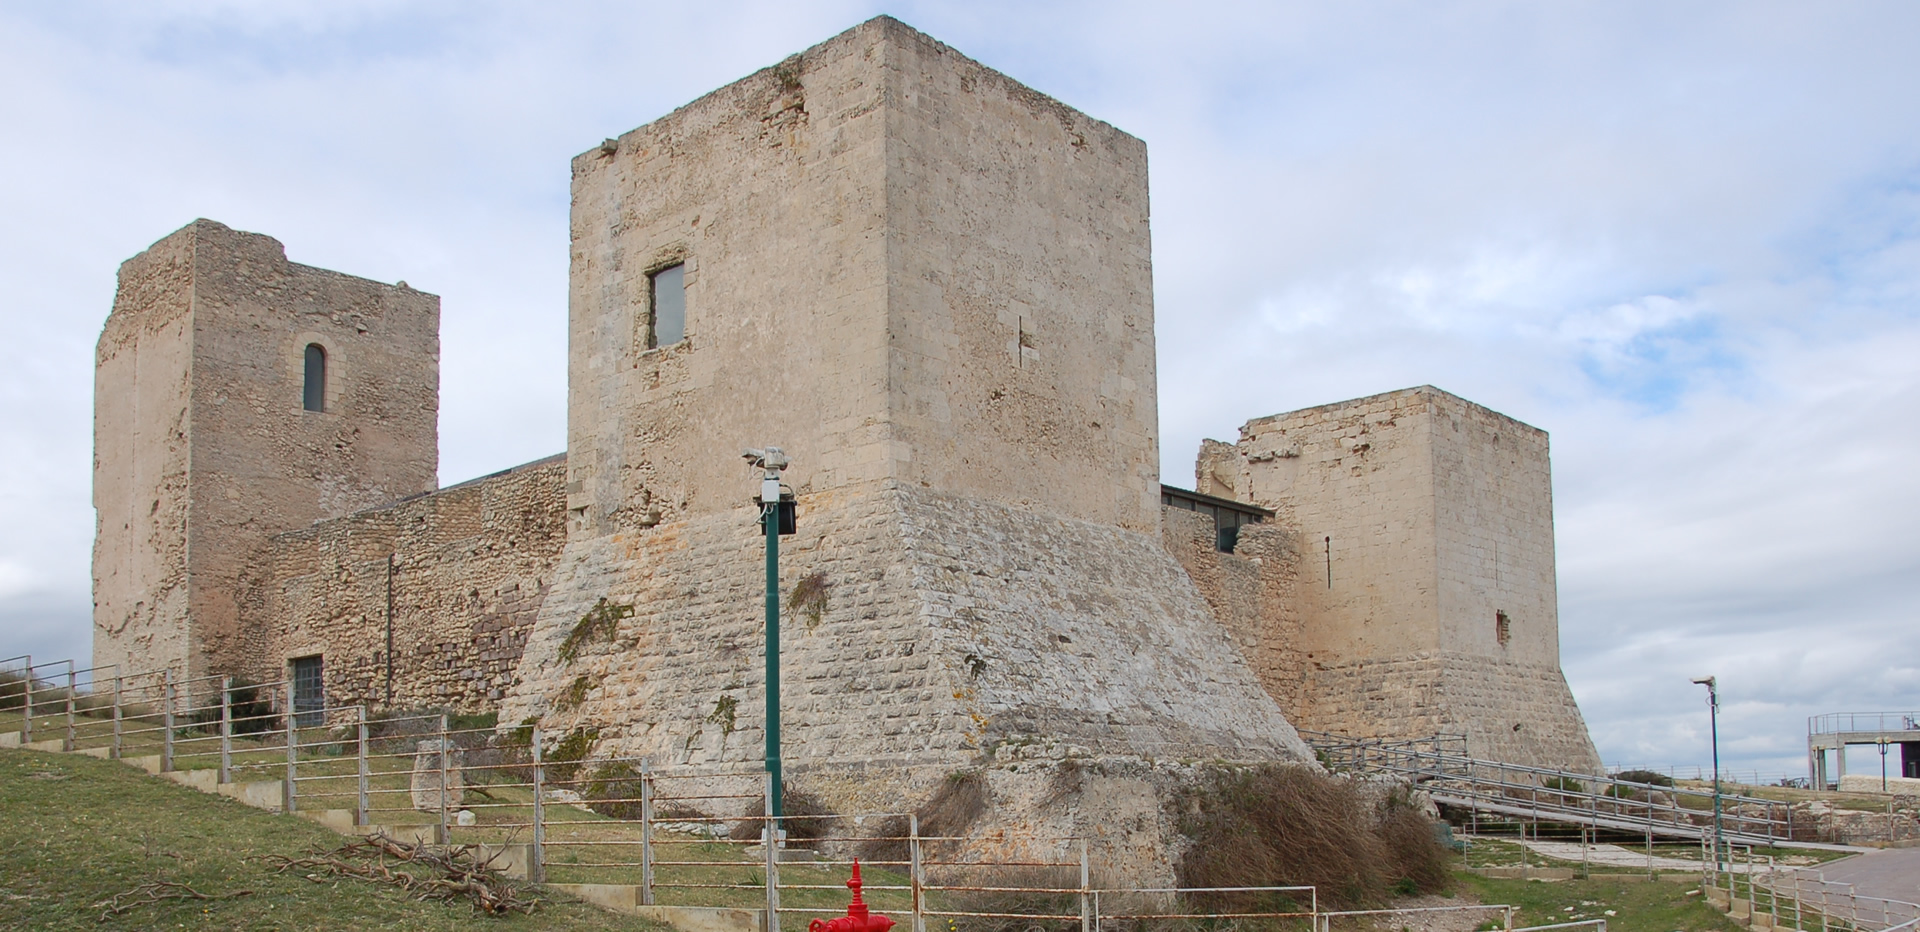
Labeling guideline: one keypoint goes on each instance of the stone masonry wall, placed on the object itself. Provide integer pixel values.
(1423, 521)
(140, 426)
(199, 393)
(1251, 592)
(899, 265)
(471, 565)
(1517, 713)
(948, 626)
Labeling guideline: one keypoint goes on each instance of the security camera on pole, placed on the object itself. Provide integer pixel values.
(776, 518)
(1713, 717)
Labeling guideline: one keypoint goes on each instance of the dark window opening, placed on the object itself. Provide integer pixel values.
(309, 693)
(1502, 628)
(1228, 515)
(668, 312)
(313, 395)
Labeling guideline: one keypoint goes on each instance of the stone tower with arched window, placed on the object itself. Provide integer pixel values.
(238, 395)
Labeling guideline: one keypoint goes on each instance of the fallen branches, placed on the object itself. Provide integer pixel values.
(153, 891)
(449, 873)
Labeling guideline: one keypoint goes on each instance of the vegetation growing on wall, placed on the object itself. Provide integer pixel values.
(809, 598)
(723, 714)
(563, 762)
(960, 800)
(600, 624)
(575, 693)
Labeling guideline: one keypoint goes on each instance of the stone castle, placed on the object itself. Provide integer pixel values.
(932, 287)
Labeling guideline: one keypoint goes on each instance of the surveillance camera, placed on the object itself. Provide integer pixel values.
(1703, 681)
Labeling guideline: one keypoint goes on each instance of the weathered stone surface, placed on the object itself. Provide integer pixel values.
(470, 565)
(203, 449)
(1419, 560)
(435, 773)
(950, 625)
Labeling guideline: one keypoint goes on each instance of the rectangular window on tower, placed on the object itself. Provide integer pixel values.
(667, 314)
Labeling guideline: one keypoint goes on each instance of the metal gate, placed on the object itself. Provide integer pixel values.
(309, 693)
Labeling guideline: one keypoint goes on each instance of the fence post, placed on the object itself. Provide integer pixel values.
(537, 864)
(1509, 919)
(26, 712)
(73, 684)
(913, 872)
(440, 832)
(166, 724)
(292, 791)
(226, 729)
(361, 813)
(646, 832)
(1086, 885)
(769, 836)
(115, 753)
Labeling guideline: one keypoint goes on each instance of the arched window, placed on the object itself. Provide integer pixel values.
(314, 395)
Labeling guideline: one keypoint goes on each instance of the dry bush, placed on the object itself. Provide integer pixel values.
(802, 814)
(1283, 825)
(960, 800)
(1015, 906)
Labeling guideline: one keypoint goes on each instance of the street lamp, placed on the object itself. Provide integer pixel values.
(1713, 715)
(772, 461)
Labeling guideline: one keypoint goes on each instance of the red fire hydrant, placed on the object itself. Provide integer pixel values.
(857, 919)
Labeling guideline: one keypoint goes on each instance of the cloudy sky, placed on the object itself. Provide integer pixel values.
(1682, 238)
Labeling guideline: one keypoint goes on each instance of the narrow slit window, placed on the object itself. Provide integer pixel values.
(669, 300)
(1502, 628)
(313, 395)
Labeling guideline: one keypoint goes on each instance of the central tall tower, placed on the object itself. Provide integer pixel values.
(931, 285)
(899, 263)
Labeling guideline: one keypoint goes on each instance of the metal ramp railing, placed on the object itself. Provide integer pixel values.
(1440, 766)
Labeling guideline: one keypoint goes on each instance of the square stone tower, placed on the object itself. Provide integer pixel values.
(238, 395)
(1424, 589)
(931, 286)
(898, 264)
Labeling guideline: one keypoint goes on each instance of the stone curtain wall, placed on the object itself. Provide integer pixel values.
(1251, 592)
(471, 566)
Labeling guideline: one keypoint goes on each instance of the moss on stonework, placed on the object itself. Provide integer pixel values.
(563, 762)
(600, 623)
(575, 693)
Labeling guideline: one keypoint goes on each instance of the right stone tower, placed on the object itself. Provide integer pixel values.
(1423, 571)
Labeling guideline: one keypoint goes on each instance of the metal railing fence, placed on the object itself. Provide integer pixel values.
(1543, 794)
(1862, 722)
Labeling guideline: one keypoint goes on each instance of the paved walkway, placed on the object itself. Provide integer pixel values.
(1610, 856)
(1893, 873)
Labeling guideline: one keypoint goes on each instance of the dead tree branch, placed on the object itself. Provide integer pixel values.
(446, 874)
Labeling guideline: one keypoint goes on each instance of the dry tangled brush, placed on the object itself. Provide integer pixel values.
(1284, 825)
(448, 874)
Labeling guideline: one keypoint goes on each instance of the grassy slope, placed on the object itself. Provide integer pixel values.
(79, 830)
(1638, 906)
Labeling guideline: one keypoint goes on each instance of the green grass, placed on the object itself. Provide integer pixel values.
(1638, 906)
(80, 830)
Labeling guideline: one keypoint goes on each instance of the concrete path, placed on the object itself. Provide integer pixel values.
(1610, 855)
(1893, 873)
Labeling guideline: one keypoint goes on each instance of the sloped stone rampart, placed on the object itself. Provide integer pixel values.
(950, 626)
(1517, 713)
